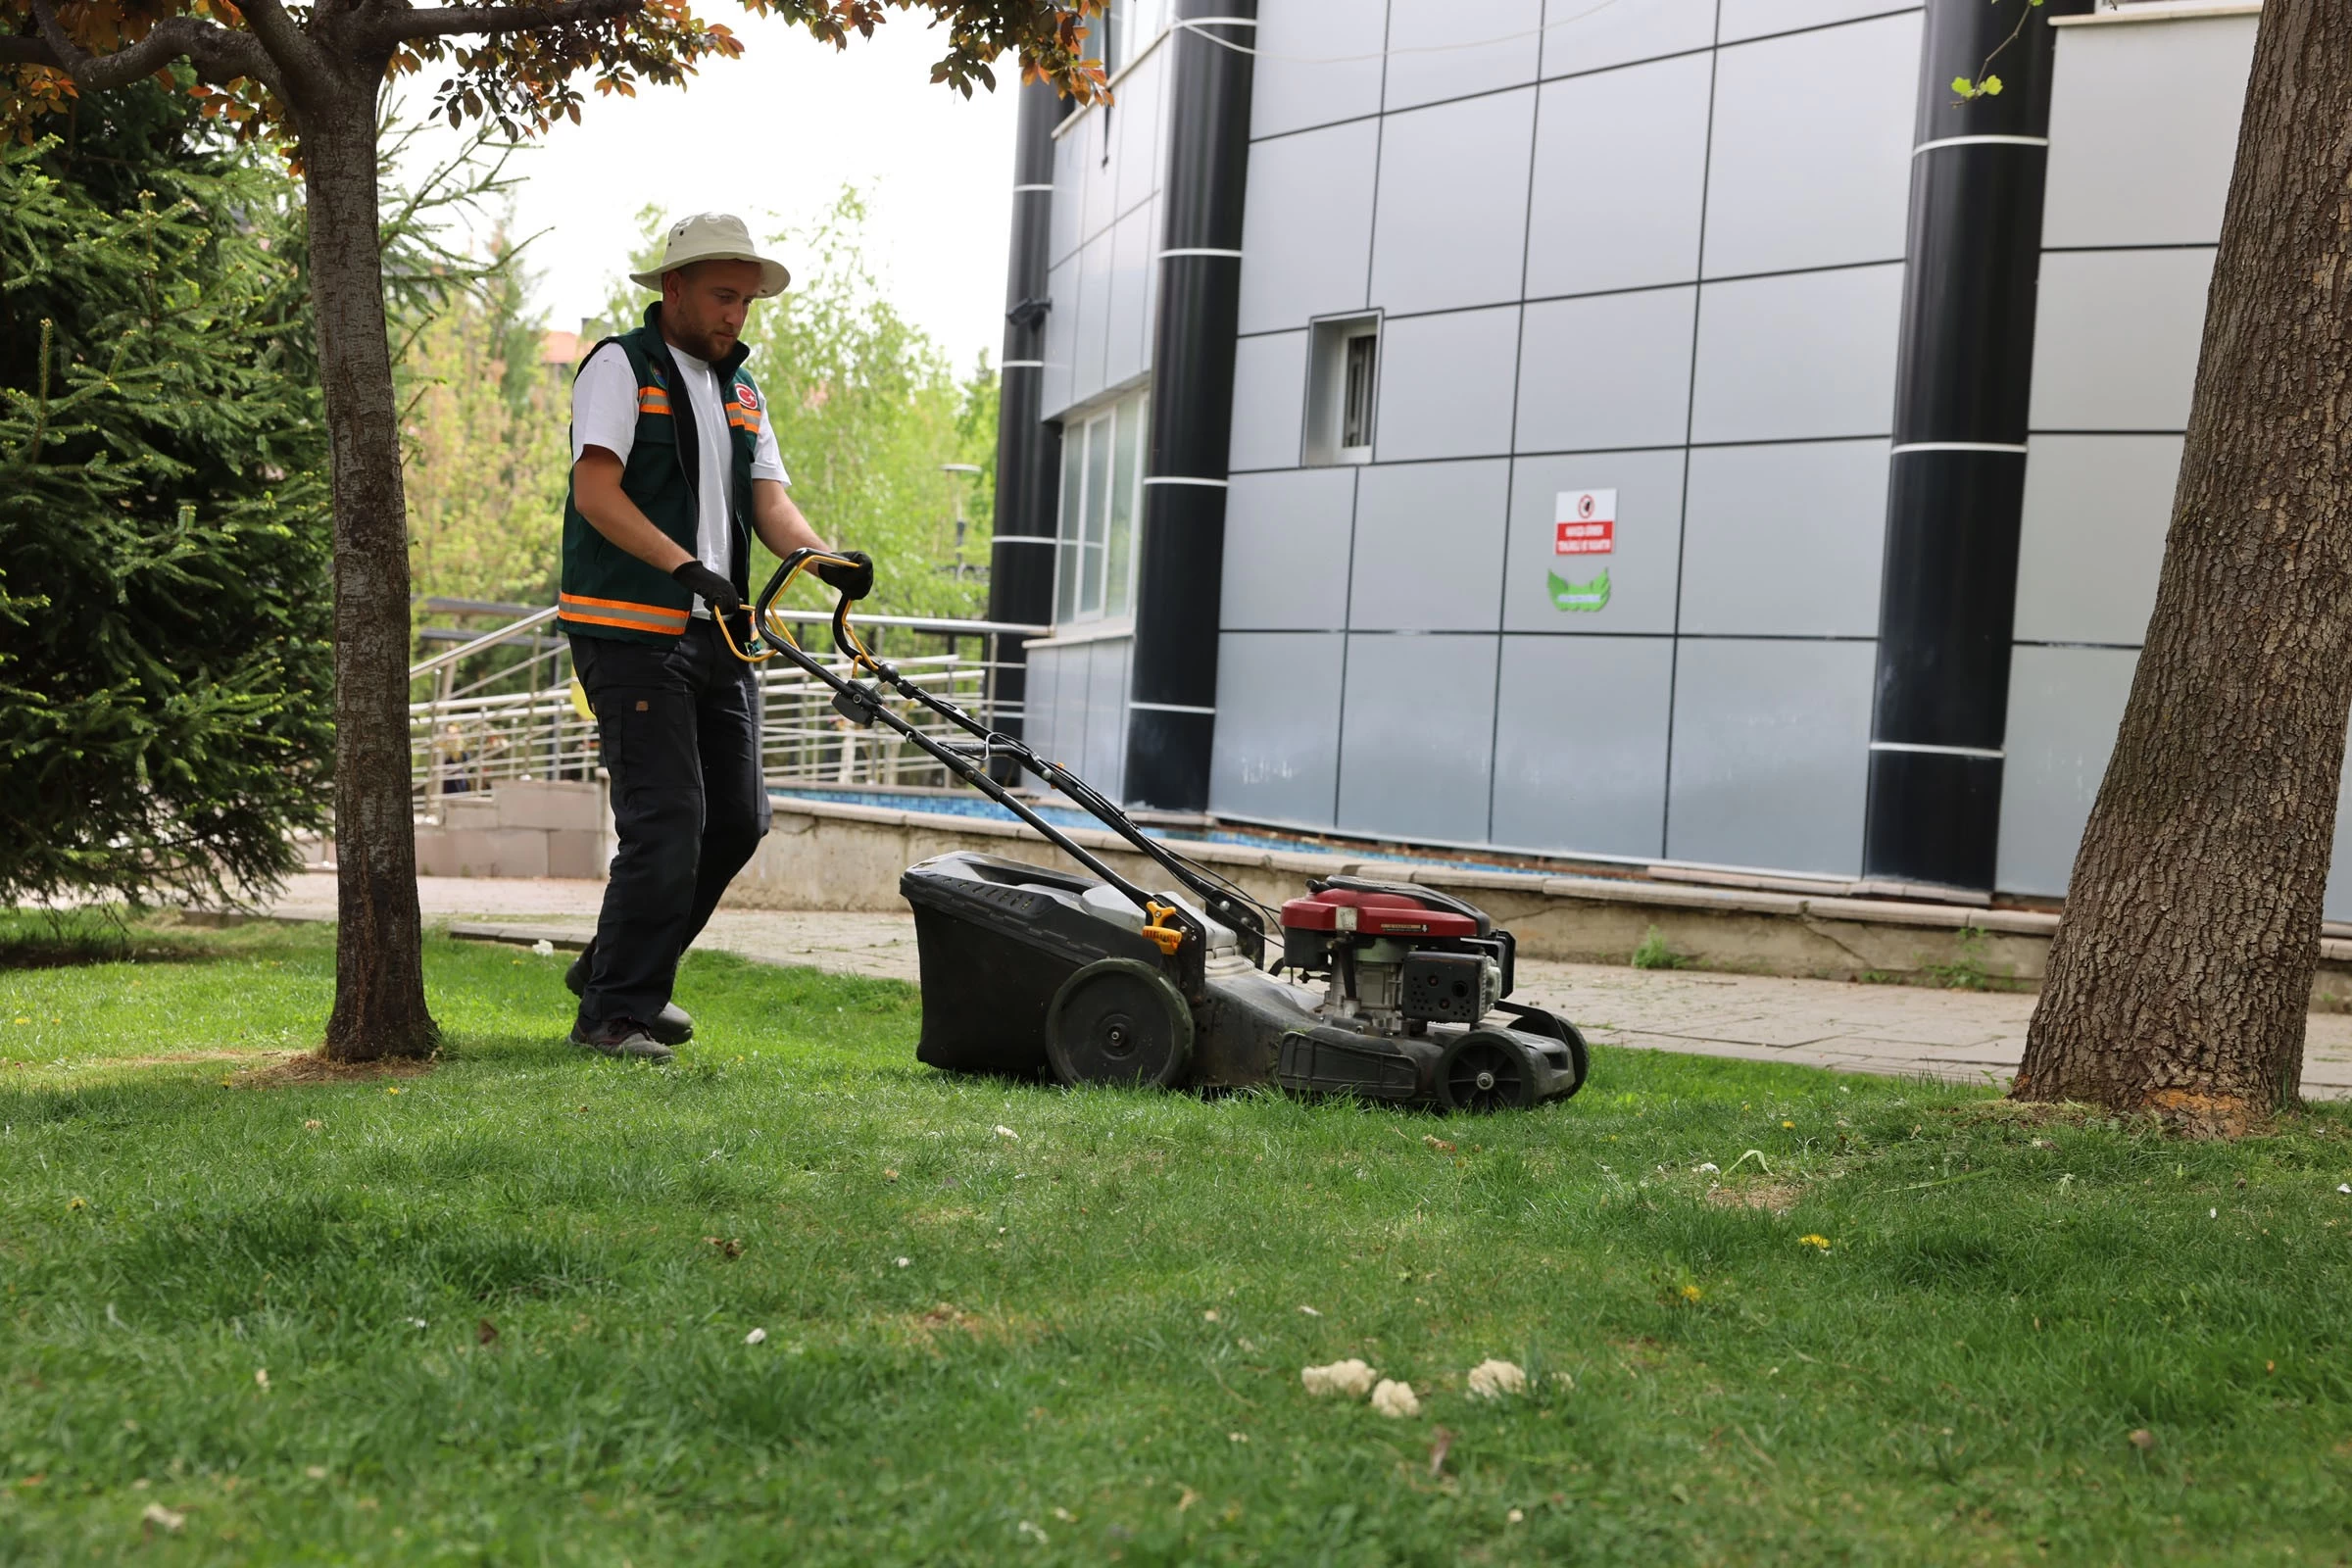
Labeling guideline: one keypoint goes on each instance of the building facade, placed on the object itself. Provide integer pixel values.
(1671, 431)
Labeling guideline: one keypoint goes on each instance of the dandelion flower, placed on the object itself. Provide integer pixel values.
(1396, 1399)
(1492, 1380)
(1822, 1241)
(1350, 1378)
(1691, 1292)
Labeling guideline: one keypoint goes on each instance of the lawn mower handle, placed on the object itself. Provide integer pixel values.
(857, 702)
(1245, 921)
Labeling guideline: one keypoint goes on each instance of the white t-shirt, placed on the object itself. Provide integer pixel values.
(604, 414)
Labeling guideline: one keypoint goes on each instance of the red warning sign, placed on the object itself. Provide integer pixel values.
(1585, 523)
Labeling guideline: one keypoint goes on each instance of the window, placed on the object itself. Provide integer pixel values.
(1132, 26)
(1102, 503)
(1342, 382)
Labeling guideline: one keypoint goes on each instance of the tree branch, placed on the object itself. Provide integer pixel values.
(283, 36)
(387, 28)
(219, 54)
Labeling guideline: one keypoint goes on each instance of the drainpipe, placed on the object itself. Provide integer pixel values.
(1172, 708)
(1020, 572)
(1957, 474)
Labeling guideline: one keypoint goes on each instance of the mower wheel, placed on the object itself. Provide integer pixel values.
(1119, 1021)
(1486, 1071)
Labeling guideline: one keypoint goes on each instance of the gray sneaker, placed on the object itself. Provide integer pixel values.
(619, 1037)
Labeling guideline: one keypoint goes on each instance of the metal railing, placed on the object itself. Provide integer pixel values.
(504, 705)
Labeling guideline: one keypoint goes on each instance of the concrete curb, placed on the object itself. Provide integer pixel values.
(823, 854)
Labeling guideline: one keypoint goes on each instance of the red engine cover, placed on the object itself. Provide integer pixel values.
(1376, 914)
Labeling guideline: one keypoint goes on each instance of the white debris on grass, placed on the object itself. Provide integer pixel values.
(1492, 1380)
(159, 1515)
(1395, 1400)
(756, 1337)
(1351, 1377)
(1006, 1132)
(544, 947)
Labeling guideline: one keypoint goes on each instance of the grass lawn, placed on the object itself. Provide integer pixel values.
(501, 1312)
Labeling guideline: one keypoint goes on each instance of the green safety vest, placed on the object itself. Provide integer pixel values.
(607, 591)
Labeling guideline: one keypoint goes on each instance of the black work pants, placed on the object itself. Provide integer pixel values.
(679, 725)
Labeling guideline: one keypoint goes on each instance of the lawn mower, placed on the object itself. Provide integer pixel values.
(1383, 991)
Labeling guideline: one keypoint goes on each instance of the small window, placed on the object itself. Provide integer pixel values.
(1342, 389)
(1102, 499)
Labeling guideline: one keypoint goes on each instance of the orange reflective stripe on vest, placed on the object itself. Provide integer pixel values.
(621, 613)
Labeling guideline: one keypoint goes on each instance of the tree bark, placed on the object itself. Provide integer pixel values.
(2181, 976)
(379, 962)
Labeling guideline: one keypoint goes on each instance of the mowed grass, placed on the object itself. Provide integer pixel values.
(502, 1307)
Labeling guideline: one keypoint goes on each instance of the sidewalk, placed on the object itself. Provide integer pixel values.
(1966, 1036)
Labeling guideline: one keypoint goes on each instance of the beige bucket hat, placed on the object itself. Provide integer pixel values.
(713, 237)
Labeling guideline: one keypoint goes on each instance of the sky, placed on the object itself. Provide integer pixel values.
(774, 136)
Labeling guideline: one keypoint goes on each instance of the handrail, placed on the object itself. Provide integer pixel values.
(506, 633)
(940, 625)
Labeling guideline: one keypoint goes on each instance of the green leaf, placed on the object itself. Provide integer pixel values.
(1993, 86)
(1964, 87)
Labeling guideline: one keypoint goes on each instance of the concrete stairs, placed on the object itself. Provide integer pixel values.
(525, 828)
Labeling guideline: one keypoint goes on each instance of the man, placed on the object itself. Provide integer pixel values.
(674, 463)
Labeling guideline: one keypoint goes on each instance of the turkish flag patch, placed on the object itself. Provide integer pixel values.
(748, 396)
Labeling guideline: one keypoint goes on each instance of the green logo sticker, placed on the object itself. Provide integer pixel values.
(1594, 595)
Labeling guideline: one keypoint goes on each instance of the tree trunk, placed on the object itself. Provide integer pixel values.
(379, 959)
(2181, 976)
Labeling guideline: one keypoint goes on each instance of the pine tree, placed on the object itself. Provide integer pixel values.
(166, 676)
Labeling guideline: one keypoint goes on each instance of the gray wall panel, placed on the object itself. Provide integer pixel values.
(1752, 18)
(1429, 547)
(1136, 156)
(1106, 713)
(1070, 687)
(1289, 91)
(1613, 371)
(1620, 164)
(1642, 565)
(1579, 744)
(1805, 178)
(1069, 195)
(1417, 736)
(2337, 905)
(1278, 727)
(2095, 515)
(1128, 350)
(1269, 397)
(2064, 704)
(2116, 338)
(1785, 540)
(1579, 37)
(1771, 754)
(1306, 236)
(1453, 221)
(1445, 386)
(1098, 178)
(1286, 549)
(1441, 48)
(1039, 706)
(2143, 125)
(1090, 337)
(1061, 337)
(1805, 356)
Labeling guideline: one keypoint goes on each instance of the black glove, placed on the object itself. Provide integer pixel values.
(714, 590)
(853, 581)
